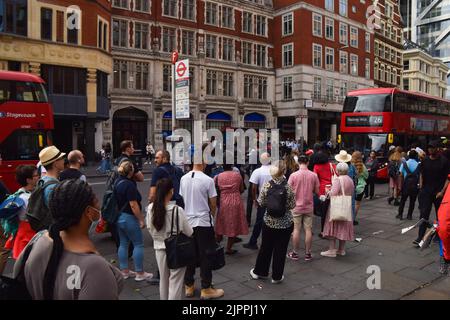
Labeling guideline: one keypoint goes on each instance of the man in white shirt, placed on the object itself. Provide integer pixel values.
(199, 194)
(258, 178)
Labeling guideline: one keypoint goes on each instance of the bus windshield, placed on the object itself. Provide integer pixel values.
(365, 142)
(24, 145)
(22, 91)
(368, 103)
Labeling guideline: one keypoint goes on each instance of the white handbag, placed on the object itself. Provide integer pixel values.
(341, 206)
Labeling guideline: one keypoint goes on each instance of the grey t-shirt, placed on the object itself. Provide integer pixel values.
(80, 276)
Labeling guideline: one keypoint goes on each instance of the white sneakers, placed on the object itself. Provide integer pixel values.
(144, 276)
(137, 277)
(333, 253)
(128, 274)
(329, 253)
(256, 277)
(278, 281)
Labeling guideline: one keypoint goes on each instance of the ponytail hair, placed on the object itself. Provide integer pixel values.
(163, 188)
(125, 168)
(67, 203)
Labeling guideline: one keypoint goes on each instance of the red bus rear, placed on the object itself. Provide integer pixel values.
(376, 118)
(26, 121)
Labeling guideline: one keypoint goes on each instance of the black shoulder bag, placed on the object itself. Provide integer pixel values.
(215, 254)
(180, 249)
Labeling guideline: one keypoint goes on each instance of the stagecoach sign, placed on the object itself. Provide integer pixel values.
(182, 89)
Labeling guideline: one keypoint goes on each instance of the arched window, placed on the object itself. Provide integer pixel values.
(218, 120)
(255, 120)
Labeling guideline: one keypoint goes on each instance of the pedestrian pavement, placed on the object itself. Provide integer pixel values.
(406, 272)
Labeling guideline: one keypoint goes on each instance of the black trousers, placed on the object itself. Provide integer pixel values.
(427, 199)
(412, 195)
(204, 240)
(369, 190)
(274, 246)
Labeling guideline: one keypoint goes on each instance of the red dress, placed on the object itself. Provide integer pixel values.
(231, 220)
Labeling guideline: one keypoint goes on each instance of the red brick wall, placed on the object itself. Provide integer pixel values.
(303, 38)
(156, 16)
(90, 10)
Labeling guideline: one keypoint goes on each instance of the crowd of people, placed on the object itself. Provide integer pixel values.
(58, 209)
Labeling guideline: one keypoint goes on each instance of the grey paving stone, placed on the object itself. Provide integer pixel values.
(128, 293)
(395, 283)
(443, 285)
(334, 266)
(418, 274)
(309, 293)
(404, 268)
(148, 291)
(428, 294)
(234, 290)
(375, 295)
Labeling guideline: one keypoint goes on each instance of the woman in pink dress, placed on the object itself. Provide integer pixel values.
(231, 220)
(339, 230)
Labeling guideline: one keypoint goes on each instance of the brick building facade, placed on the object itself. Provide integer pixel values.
(230, 51)
(322, 49)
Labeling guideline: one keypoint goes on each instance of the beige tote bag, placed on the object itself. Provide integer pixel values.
(341, 206)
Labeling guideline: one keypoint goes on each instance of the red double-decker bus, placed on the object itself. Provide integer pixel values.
(376, 118)
(26, 121)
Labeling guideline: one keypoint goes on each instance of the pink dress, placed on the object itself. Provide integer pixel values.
(231, 220)
(341, 230)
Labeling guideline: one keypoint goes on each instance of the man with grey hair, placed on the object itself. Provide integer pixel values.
(258, 178)
(76, 160)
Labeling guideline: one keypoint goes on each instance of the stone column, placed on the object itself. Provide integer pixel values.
(3, 65)
(91, 95)
(91, 90)
(34, 68)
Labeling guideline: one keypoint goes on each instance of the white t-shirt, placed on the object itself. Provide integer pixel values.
(260, 176)
(25, 197)
(197, 188)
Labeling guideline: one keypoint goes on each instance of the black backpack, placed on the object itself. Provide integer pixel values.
(114, 174)
(411, 180)
(175, 174)
(110, 209)
(276, 199)
(38, 214)
(393, 169)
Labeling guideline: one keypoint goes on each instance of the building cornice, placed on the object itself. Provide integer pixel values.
(45, 52)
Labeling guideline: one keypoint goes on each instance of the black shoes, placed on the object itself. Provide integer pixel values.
(409, 217)
(399, 216)
(355, 223)
(390, 200)
(416, 243)
(396, 202)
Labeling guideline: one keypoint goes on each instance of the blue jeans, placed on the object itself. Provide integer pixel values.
(258, 225)
(105, 166)
(129, 230)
